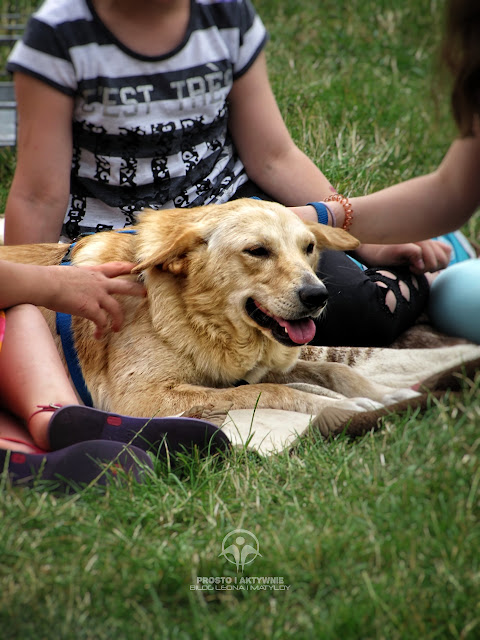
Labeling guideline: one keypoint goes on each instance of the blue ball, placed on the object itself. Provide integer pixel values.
(455, 301)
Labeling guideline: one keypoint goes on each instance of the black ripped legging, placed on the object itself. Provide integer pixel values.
(356, 313)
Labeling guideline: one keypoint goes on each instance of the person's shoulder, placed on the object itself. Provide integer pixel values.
(228, 7)
(236, 14)
(55, 12)
(44, 51)
(219, 2)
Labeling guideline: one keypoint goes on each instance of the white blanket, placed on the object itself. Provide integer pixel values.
(270, 431)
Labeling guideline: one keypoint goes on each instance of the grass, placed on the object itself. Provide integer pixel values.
(376, 538)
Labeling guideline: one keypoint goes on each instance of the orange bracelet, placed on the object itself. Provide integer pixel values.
(347, 207)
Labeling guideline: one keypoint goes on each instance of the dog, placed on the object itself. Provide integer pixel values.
(232, 296)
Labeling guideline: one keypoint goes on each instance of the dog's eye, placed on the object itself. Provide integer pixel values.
(309, 249)
(257, 252)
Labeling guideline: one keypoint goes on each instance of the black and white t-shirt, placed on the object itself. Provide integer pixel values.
(147, 132)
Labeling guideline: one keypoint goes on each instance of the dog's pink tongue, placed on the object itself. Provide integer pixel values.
(299, 331)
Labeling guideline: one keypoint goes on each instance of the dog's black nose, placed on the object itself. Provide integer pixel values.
(313, 296)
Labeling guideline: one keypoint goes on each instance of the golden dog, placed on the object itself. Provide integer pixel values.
(231, 296)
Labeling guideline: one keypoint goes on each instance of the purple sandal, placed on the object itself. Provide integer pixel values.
(76, 423)
(69, 469)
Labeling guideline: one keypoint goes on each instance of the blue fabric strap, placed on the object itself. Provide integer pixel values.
(322, 211)
(64, 330)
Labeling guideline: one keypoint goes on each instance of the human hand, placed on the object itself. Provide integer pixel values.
(428, 255)
(435, 255)
(88, 291)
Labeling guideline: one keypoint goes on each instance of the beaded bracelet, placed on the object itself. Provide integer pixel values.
(347, 207)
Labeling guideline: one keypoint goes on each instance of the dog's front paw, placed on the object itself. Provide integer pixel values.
(365, 404)
(332, 419)
(211, 413)
(398, 396)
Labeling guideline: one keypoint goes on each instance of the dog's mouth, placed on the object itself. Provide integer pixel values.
(291, 333)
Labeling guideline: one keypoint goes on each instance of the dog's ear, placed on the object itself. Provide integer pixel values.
(174, 256)
(332, 238)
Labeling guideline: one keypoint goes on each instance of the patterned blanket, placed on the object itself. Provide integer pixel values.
(427, 369)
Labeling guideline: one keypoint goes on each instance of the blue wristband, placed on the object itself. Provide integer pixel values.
(322, 211)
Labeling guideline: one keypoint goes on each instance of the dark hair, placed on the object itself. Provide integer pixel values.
(461, 52)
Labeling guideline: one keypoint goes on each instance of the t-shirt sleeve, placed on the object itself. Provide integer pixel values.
(41, 54)
(252, 38)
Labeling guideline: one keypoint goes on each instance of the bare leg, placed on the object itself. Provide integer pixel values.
(31, 372)
(16, 436)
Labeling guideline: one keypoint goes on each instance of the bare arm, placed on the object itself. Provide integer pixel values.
(40, 189)
(277, 165)
(425, 206)
(82, 291)
(417, 209)
(271, 158)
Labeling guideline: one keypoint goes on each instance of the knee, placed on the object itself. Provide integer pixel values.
(24, 315)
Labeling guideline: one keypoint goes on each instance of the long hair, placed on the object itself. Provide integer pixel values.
(461, 53)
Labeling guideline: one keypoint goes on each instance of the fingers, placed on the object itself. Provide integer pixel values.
(102, 323)
(90, 293)
(93, 294)
(443, 252)
(113, 269)
(126, 288)
(435, 255)
(107, 315)
(415, 257)
(112, 312)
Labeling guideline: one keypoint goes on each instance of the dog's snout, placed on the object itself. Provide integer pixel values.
(313, 296)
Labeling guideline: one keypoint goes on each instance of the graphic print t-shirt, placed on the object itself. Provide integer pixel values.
(147, 131)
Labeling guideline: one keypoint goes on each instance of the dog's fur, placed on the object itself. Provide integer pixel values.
(191, 339)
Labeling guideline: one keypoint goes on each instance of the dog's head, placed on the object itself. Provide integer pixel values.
(251, 262)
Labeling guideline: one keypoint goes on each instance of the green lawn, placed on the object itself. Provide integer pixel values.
(376, 538)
